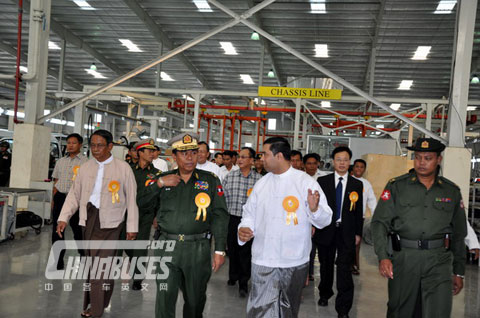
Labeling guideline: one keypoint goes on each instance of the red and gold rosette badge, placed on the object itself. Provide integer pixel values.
(249, 191)
(75, 172)
(290, 204)
(202, 200)
(114, 187)
(353, 199)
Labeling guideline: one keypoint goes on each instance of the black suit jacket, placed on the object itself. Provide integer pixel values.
(352, 220)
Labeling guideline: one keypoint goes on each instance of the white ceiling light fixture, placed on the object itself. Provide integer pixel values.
(471, 108)
(84, 5)
(326, 104)
(130, 45)
(94, 73)
(203, 5)
(318, 7)
(228, 48)
(53, 46)
(247, 79)
(321, 50)
(166, 77)
(405, 85)
(445, 7)
(421, 53)
(395, 106)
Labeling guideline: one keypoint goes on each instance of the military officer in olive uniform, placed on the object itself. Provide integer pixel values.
(192, 210)
(424, 215)
(146, 175)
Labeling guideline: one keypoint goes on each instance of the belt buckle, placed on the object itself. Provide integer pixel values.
(422, 244)
(181, 237)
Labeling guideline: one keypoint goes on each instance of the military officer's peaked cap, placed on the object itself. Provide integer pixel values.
(145, 144)
(427, 145)
(185, 141)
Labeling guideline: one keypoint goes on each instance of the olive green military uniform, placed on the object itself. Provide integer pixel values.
(190, 267)
(408, 209)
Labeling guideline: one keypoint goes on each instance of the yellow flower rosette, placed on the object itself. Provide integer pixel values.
(114, 187)
(202, 200)
(291, 204)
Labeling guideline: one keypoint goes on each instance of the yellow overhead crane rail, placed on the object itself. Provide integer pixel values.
(306, 93)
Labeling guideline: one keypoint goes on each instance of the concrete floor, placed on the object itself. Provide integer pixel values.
(22, 292)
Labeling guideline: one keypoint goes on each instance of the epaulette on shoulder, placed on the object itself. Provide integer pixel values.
(402, 177)
(445, 180)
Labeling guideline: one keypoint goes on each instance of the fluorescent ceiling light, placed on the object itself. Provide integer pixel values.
(321, 50)
(188, 98)
(162, 140)
(381, 126)
(84, 5)
(445, 6)
(166, 77)
(405, 84)
(130, 45)
(23, 69)
(203, 5)
(11, 113)
(272, 124)
(247, 79)
(262, 102)
(94, 73)
(228, 48)
(395, 106)
(318, 7)
(470, 108)
(421, 53)
(53, 46)
(326, 104)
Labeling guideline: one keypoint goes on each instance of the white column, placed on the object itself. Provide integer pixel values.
(298, 104)
(79, 117)
(196, 112)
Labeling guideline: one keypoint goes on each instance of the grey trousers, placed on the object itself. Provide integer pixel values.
(276, 292)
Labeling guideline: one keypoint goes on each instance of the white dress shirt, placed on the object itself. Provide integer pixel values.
(344, 184)
(368, 196)
(211, 167)
(471, 240)
(97, 189)
(224, 171)
(275, 243)
(160, 164)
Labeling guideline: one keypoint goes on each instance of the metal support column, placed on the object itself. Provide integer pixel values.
(304, 131)
(457, 113)
(154, 129)
(79, 117)
(232, 132)
(39, 29)
(239, 140)
(61, 68)
(371, 80)
(298, 105)
(196, 111)
(428, 120)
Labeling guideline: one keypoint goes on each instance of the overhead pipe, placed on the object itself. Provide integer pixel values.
(19, 53)
(340, 127)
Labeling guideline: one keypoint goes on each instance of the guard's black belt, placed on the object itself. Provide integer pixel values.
(422, 244)
(187, 237)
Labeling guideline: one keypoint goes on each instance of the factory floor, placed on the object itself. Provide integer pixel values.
(23, 294)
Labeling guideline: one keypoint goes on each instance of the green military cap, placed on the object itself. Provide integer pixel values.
(147, 144)
(427, 145)
(185, 141)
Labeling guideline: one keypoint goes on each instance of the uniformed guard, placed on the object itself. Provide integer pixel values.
(192, 210)
(424, 216)
(5, 163)
(146, 176)
(132, 159)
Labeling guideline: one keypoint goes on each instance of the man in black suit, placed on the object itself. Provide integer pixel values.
(341, 235)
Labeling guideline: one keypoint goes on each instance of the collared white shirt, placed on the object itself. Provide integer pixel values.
(224, 171)
(344, 187)
(160, 164)
(97, 189)
(368, 196)
(471, 240)
(319, 174)
(211, 167)
(276, 243)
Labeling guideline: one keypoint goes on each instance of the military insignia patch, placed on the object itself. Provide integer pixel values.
(386, 195)
(220, 190)
(201, 185)
(425, 144)
(149, 182)
(447, 200)
(187, 139)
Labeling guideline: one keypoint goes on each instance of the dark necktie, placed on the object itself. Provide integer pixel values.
(338, 199)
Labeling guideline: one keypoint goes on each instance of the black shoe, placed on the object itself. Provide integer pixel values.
(310, 278)
(323, 302)
(342, 315)
(231, 282)
(243, 293)
(137, 285)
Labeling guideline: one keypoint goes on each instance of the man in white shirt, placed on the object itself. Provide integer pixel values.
(159, 163)
(228, 165)
(359, 167)
(203, 163)
(279, 213)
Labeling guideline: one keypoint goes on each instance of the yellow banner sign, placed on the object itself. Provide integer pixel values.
(306, 93)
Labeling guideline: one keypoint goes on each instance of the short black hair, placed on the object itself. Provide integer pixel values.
(105, 134)
(235, 153)
(311, 155)
(250, 150)
(218, 154)
(279, 145)
(341, 149)
(130, 145)
(228, 153)
(206, 145)
(361, 161)
(296, 153)
(75, 135)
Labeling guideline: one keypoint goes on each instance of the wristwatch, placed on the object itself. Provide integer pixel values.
(461, 276)
(221, 253)
(161, 182)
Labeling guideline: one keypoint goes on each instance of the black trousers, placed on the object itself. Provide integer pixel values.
(240, 256)
(58, 201)
(344, 260)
